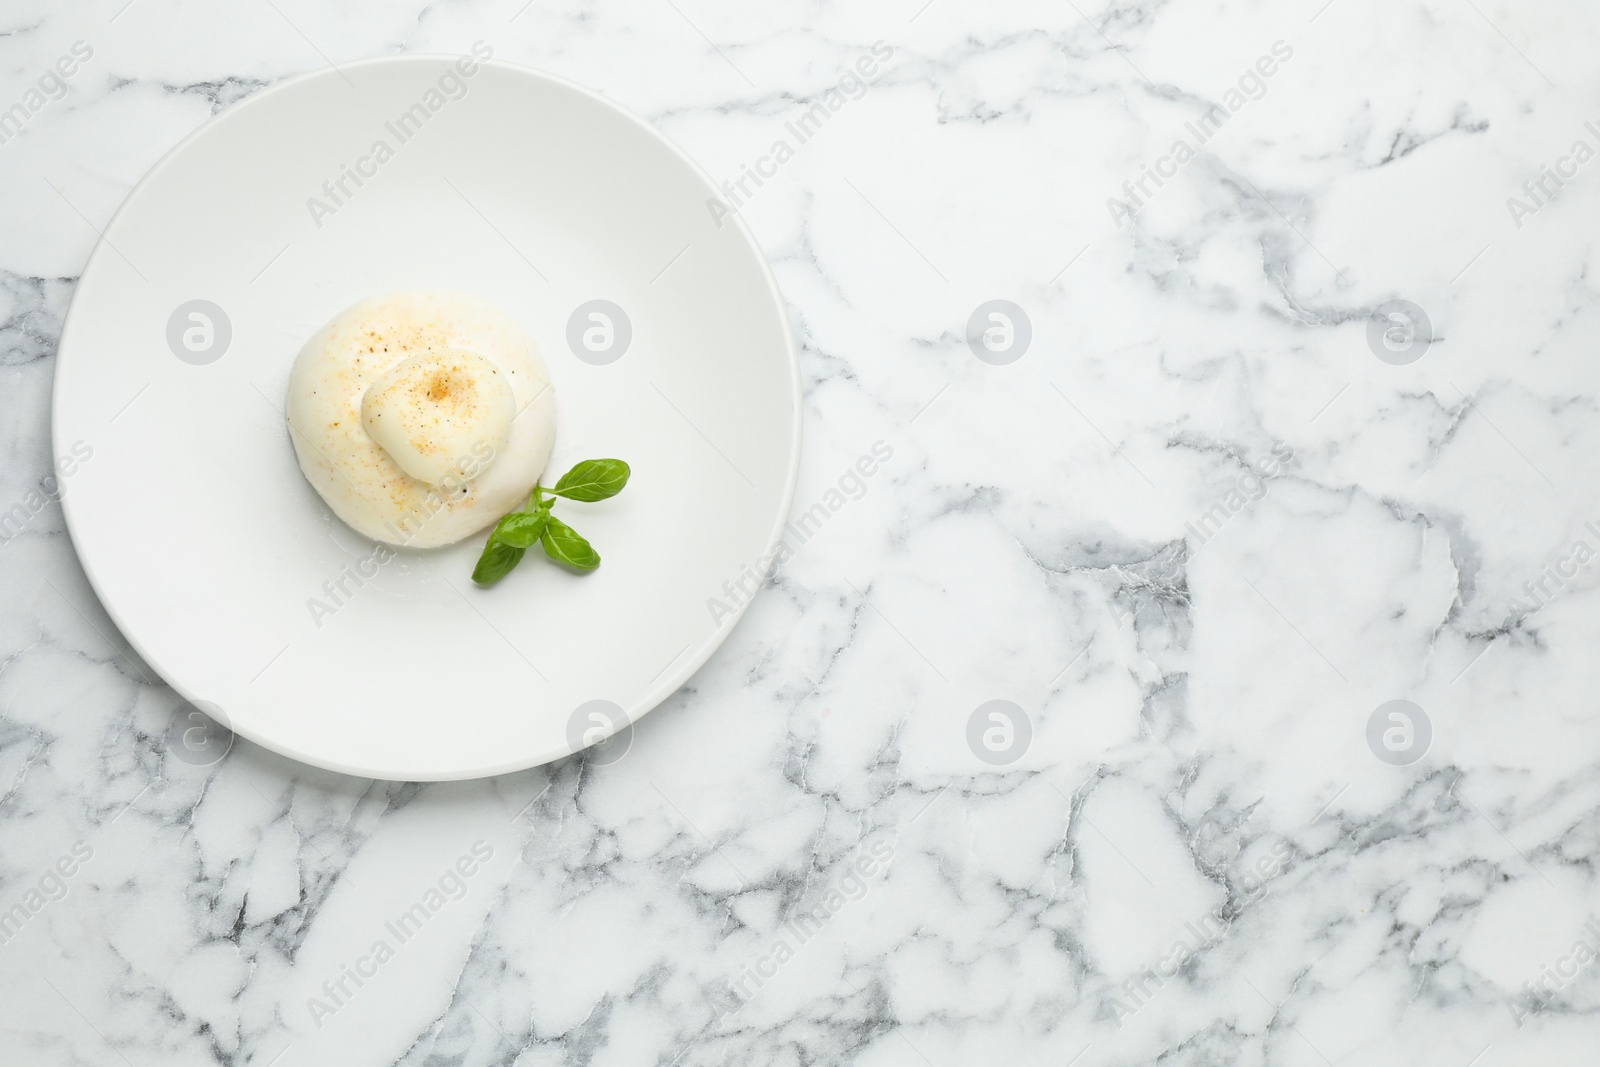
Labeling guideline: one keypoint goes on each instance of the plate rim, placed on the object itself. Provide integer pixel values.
(673, 680)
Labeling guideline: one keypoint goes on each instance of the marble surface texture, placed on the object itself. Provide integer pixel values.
(1300, 425)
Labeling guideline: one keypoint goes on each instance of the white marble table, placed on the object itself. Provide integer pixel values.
(1197, 532)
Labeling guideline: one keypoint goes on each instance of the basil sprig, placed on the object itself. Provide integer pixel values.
(593, 479)
(514, 534)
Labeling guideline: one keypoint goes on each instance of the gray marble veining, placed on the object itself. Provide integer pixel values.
(1306, 422)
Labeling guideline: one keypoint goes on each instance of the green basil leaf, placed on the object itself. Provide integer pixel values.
(497, 561)
(593, 479)
(565, 545)
(521, 529)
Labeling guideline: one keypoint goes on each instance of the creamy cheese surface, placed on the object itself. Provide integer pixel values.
(422, 417)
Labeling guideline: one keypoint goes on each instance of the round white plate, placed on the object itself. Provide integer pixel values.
(217, 559)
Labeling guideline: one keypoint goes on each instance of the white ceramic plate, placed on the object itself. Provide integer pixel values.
(206, 544)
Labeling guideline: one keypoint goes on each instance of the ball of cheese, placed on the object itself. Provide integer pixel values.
(421, 418)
